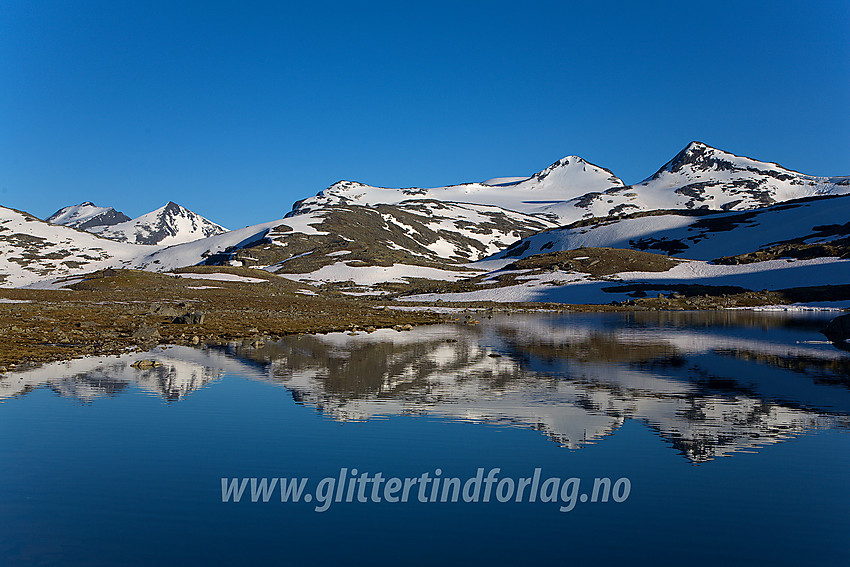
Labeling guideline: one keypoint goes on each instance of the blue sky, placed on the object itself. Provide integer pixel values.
(235, 110)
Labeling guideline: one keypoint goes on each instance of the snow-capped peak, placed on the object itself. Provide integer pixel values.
(699, 157)
(169, 224)
(701, 176)
(87, 215)
(574, 171)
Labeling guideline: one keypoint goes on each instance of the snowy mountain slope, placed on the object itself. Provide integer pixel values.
(217, 249)
(570, 286)
(86, 216)
(571, 189)
(424, 232)
(702, 177)
(32, 250)
(169, 224)
(694, 235)
(566, 179)
(419, 238)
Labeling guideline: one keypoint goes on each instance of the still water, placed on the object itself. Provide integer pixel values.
(730, 429)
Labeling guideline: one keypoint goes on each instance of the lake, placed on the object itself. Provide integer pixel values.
(648, 438)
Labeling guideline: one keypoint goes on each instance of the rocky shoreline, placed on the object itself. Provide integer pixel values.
(131, 311)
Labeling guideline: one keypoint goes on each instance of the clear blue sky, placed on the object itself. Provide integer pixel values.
(237, 109)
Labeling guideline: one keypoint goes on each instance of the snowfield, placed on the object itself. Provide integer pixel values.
(371, 275)
(563, 287)
(221, 277)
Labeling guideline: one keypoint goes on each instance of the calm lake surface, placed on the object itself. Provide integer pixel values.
(731, 430)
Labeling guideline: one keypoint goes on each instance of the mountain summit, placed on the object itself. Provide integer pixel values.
(169, 224)
(87, 215)
(713, 179)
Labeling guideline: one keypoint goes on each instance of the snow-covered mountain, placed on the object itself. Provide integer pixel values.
(565, 179)
(571, 189)
(86, 216)
(702, 177)
(169, 224)
(784, 230)
(32, 250)
(368, 235)
(342, 242)
(797, 244)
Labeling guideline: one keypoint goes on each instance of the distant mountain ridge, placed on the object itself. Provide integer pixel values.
(168, 225)
(568, 178)
(352, 232)
(571, 189)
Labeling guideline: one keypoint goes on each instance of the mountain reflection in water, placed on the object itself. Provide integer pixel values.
(711, 384)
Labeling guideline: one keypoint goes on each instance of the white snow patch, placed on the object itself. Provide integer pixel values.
(370, 275)
(222, 277)
(58, 284)
(821, 306)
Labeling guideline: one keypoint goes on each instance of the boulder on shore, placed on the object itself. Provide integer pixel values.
(194, 318)
(838, 330)
(163, 310)
(146, 333)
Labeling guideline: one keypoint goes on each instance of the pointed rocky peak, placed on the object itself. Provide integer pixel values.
(343, 186)
(169, 224)
(563, 162)
(172, 209)
(698, 158)
(696, 154)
